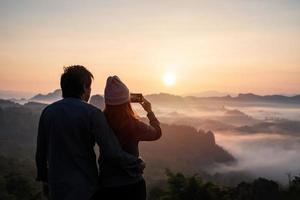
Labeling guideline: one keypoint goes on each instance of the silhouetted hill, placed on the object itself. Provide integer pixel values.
(268, 98)
(203, 123)
(98, 101)
(225, 100)
(35, 106)
(165, 98)
(236, 117)
(50, 97)
(8, 103)
(225, 119)
(182, 148)
(280, 126)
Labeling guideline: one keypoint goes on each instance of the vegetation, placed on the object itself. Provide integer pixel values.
(16, 180)
(182, 187)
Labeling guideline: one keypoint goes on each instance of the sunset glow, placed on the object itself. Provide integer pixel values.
(169, 79)
(237, 46)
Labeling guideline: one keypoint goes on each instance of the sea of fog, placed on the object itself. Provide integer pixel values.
(262, 155)
(280, 112)
(267, 155)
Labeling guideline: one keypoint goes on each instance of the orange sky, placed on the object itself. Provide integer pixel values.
(236, 46)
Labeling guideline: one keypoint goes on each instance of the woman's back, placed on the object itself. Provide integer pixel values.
(130, 130)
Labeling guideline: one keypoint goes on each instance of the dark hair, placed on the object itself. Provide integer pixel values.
(120, 118)
(74, 80)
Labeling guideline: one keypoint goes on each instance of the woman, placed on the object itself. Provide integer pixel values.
(130, 131)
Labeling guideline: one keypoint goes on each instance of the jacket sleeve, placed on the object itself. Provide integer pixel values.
(144, 132)
(41, 152)
(110, 148)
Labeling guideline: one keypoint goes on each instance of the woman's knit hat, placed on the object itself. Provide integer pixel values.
(116, 92)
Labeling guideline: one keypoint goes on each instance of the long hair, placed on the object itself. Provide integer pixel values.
(120, 118)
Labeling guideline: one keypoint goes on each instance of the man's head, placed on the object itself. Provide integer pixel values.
(76, 82)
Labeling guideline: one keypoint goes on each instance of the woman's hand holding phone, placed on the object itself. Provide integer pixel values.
(146, 105)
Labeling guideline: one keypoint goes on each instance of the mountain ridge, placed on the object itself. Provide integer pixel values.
(243, 97)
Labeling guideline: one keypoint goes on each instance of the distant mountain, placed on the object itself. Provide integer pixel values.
(268, 98)
(280, 127)
(35, 106)
(165, 98)
(8, 103)
(50, 97)
(236, 117)
(225, 100)
(249, 97)
(21, 101)
(211, 93)
(98, 101)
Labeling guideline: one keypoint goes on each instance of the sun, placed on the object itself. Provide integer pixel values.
(169, 79)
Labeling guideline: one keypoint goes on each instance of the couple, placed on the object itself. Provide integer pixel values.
(67, 133)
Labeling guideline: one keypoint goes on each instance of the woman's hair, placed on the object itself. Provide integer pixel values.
(120, 117)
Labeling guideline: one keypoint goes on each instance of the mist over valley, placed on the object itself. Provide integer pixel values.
(246, 134)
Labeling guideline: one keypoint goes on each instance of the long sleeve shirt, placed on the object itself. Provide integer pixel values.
(129, 139)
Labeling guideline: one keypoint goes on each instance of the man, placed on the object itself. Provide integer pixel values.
(68, 130)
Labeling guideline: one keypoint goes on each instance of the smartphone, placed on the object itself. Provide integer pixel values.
(136, 97)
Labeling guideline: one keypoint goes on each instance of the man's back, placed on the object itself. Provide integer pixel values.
(66, 142)
(68, 130)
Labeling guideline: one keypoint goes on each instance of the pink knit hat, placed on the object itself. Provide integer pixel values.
(116, 92)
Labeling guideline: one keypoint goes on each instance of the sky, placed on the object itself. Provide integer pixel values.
(233, 45)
